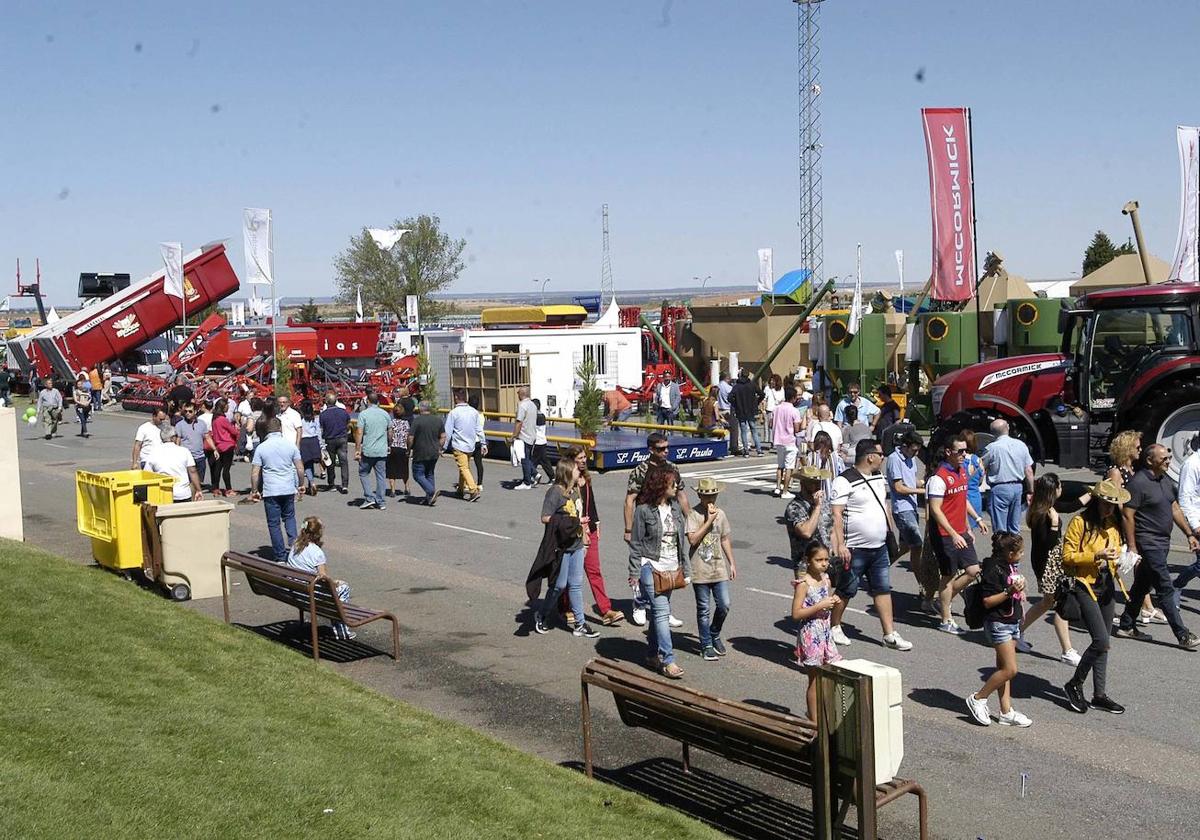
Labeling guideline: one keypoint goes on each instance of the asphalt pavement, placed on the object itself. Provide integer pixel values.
(454, 574)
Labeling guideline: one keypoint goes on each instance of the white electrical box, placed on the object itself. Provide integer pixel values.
(886, 697)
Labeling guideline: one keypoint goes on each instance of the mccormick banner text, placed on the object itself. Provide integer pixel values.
(948, 148)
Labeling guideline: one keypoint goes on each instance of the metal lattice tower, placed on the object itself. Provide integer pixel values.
(812, 240)
(606, 279)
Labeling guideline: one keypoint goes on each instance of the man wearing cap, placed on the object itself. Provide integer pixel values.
(169, 458)
(666, 399)
(809, 517)
(906, 490)
(658, 447)
(1010, 475)
(784, 425)
(708, 534)
(861, 522)
(1146, 521)
(949, 509)
(866, 409)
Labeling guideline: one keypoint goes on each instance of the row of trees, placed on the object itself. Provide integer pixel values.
(1102, 251)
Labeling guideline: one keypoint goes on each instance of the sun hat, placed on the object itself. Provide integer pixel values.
(1110, 492)
(814, 473)
(708, 487)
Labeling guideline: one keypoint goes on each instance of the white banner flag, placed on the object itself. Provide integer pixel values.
(900, 268)
(6, 304)
(1186, 266)
(384, 238)
(52, 317)
(414, 320)
(237, 313)
(358, 311)
(766, 271)
(856, 304)
(257, 243)
(256, 307)
(172, 256)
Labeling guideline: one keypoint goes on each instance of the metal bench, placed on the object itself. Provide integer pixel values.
(314, 595)
(781, 745)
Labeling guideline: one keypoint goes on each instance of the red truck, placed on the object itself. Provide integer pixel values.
(116, 325)
(1130, 360)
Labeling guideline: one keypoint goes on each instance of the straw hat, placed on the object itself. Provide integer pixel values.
(1110, 492)
(708, 487)
(814, 473)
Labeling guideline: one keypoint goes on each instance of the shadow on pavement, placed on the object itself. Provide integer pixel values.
(777, 651)
(295, 635)
(728, 806)
(940, 698)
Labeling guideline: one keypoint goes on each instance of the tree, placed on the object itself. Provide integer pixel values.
(1102, 251)
(309, 313)
(589, 405)
(427, 379)
(283, 372)
(424, 262)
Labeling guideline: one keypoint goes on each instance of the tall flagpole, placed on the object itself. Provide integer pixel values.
(975, 241)
(274, 310)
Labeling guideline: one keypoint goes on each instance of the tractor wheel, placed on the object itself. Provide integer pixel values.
(1170, 416)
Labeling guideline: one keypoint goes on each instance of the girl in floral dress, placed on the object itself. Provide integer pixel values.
(812, 601)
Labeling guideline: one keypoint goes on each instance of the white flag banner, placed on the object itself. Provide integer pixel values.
(766, 270)
(413, 317)
(237, 313)
(358, 310)
(256, 306)
(6, 304)
(172, 256)
(52, 317)
(857, 303)
(384, 238)
(900, 268)
(258, 246)
(1186, 266)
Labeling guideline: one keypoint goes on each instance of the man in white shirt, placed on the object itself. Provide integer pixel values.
(862, 522)
(1189, 503)
(525, 431)
(823, 423)
(147, 438)
(169, 458)
(290, 420)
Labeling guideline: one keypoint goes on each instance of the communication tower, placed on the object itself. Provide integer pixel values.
(812, 242)
(606, 278)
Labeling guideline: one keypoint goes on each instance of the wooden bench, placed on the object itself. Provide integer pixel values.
(781, 745)
(311, 594)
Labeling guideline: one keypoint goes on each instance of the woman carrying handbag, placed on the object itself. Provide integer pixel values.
(659, 563)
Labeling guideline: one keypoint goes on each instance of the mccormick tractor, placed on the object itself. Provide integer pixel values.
(1129, 360)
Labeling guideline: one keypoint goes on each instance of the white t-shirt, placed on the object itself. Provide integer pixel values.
(825, 426)
(309, 559)
(539, 437)
(150, 435)
(207, 418)
(244, 409)
(668, 549)
(527, 416)
(865, 524)
(773, 398)
(173, 460)
(290, 422)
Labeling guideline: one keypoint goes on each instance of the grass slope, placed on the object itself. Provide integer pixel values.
(126, 716)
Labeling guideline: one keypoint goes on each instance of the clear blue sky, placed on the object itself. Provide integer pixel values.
(131, 123)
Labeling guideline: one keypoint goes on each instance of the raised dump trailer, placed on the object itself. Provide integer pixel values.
(107, 330)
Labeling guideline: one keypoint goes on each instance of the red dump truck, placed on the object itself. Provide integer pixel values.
(116, 325)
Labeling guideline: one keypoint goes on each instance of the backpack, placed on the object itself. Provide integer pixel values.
(974, 612)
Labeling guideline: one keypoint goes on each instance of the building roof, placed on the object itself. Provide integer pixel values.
(1125, 270)
(791, 281)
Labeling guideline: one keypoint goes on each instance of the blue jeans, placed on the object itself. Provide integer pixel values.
(570, 578)
(97, 401)
(666, 415)
(872, 562)
(1188, 574)
(375, 464)
(658, 628)
(528, 466)
(748, 432)
(624, 414)
(201, 462)
(423, 475)
(712, 605)
(1008, 502)
(1152, 575)
(281, 510)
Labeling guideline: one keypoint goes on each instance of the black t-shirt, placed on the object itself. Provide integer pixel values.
(994, 579)
(425, 430)
(181, 394)
(1151, 498)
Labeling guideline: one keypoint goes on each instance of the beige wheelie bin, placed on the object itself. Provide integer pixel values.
(191, 538)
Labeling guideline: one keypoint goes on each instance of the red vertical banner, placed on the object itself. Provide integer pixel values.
(952, 201)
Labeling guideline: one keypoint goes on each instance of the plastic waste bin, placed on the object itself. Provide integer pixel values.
(107, 510)
(192, 538)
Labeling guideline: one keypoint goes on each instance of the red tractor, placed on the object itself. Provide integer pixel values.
(1129, 360)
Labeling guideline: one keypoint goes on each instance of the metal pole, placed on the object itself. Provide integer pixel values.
(670, 352)
(974, 240)
(1131, 210)
(271, 258)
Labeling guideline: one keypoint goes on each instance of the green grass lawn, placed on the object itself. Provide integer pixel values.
(124, 715)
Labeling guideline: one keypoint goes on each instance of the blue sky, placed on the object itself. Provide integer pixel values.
(128, 124)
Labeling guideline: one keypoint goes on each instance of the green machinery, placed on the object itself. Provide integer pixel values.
(861, 358)
(1033, 326)
(949, 341)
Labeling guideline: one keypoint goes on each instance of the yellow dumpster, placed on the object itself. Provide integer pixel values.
(107, 510)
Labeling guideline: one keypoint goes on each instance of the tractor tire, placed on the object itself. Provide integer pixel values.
(1169, 415)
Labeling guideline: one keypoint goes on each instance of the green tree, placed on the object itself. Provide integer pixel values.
(1102, 251)
(428, 379)
(589, 405)
(424, 262)
(309, 313)
(283, 372)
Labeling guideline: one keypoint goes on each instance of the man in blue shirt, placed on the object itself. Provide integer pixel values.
(335, 431)
(1010, 475)
(371, 450)
(905, 489)
(277, 462)
(462, 433)
(866, 408)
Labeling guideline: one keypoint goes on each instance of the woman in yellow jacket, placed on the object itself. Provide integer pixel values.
(1090, 550)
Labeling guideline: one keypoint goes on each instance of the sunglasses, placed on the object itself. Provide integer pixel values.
(959, 451)
(660, 448)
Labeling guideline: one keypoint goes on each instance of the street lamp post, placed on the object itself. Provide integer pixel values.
(703, 282)
(543, 282)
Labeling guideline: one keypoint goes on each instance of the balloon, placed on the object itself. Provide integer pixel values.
(30, 412)
(32, 420)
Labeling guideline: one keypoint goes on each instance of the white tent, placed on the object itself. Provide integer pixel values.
(1053, 288)
(611, 317)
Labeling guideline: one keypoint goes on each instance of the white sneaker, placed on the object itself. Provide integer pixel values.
(639, 617)
(1070, 657)
(787, 495)
(673, 621)
(838, 636)
(897, 642)
(979, 710)
(775, 492)
(952, 628)
(1014, 718)
(523, 486)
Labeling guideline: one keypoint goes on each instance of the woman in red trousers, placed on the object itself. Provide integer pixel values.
(591, 560)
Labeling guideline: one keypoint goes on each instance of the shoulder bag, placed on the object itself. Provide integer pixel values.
(893, 544)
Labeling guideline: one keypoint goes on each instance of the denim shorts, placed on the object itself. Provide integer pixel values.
(909, 528)
(872, 562)
(998, 632)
